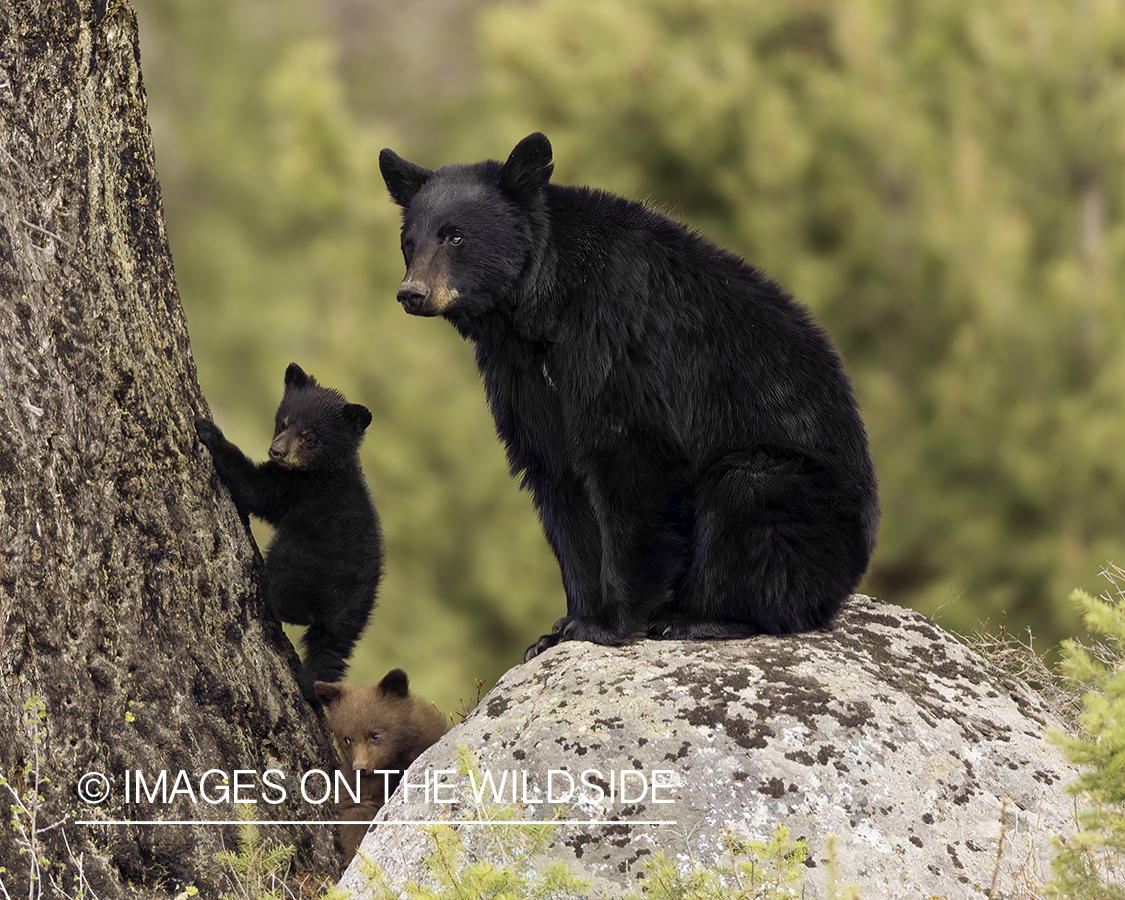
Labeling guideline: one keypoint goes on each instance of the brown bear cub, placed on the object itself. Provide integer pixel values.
(378, 728)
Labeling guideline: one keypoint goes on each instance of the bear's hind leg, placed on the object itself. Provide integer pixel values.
(327, 649)
(779, 544)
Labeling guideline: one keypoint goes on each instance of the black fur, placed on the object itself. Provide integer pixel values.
(326, 558)
(688, 434)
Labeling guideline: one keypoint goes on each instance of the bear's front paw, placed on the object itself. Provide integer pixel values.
(584, 628)
(544, 643)
(209, 433)
(562, 630)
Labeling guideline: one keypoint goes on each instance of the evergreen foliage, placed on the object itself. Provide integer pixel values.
(941, 183)
(755, 870)
(28, 822)
(1090, 865)
(287, 249)
(257, 868)
(479, 857)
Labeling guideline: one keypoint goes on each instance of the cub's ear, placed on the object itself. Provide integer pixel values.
(529, 167)
(295, 377)
(404, 179)
(395, 683)
(357, 415)
(330, 692)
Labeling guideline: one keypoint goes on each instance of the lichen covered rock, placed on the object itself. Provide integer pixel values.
(884, 731)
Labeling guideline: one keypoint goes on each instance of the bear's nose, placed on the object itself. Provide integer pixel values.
(413, 295)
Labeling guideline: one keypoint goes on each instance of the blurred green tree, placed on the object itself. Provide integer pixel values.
(941, 183)
(286, 248)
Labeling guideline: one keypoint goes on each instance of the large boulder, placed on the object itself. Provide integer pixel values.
(884, 730)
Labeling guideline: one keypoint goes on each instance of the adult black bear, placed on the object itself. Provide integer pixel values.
(689, 436)
(326, 558)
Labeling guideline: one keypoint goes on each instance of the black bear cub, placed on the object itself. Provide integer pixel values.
(325, 561)
(691, 441)
(378, 728)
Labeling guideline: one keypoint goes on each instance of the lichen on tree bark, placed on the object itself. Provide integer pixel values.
(130, 597)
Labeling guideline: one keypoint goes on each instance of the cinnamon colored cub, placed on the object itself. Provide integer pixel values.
(378, 728)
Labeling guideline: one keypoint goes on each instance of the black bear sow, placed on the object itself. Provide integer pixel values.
(325, 561)
(689, 436)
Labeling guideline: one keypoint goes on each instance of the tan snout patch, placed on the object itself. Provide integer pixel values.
(440, 293)
(288, 449)
(443, 296)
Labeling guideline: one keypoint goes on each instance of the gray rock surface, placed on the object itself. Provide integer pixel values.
(884, 731)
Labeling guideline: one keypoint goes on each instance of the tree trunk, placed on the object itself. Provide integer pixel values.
(130, 599)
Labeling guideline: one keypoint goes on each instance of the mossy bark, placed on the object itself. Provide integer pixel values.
(130, 598)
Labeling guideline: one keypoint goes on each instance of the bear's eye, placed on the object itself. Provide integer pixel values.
(374, 736)
(308, 438)
(347, 742)
(455, 238)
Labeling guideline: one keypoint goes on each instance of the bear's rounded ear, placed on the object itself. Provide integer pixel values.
(357, 415)
(529, 167)
(295, 377)
(395, 683)
(329, 693)
(404, 179)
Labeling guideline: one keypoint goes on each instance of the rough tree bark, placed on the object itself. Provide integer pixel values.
(130, 599)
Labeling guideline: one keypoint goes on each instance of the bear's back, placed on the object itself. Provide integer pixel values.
(653, 319)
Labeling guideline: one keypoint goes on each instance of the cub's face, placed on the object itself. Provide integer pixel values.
(364, 728)
(380, 726)
(315, 427)
(464, 244)
(363, 746)
(294, 445)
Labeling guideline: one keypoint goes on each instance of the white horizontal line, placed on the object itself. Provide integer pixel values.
(519, 822)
